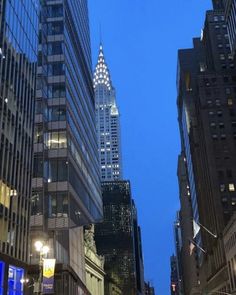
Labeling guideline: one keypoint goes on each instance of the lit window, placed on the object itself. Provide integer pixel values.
(230, 101)
(231, 187)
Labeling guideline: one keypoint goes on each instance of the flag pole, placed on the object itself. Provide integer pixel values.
(194, 243)
(207, 230)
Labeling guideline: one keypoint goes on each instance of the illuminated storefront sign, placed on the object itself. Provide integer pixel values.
(15, 284)
(2, 269)
(48, 275)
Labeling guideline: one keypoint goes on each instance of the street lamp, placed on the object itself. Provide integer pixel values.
(42, 249)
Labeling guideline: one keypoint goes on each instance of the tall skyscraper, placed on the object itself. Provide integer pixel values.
(66, 184)
(107, 122)
(206, 104)
(18, 57)
(115, 237)
(230, 15)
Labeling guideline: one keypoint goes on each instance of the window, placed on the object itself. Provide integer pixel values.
(222, 188)
(57, 113)
(15, 284)
(37, 203)
(38, 167)
(55, 11)
(55, 28)
(38, 134)
(56, 90)
(221, 125)
(56, 139)
(55, 48)
(56, 69)
(231, 187)
(58, 170)
(230, 101)
(58, 204)
(217, 102)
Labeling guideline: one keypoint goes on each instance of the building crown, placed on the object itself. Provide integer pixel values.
(101, 73)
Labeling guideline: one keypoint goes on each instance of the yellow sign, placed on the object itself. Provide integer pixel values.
(48, 268)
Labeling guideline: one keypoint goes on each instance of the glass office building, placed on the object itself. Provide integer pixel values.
(66, 184)
(18, 57)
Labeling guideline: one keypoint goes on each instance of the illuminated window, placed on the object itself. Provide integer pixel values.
(231, 187)
(56, 140)
(230, 101)
(4, 195)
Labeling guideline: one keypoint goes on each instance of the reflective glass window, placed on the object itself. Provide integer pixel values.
(55, 10)
(58, 204)
(58, 170)
(57, 113)
(56, 139)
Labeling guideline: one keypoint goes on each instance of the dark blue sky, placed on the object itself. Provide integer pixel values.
(141, 39)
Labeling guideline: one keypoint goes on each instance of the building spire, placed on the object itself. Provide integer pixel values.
(101, 73)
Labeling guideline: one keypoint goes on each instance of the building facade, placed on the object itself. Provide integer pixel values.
(230, 15)
(149, 290)
(206, 105)
(115, 237)
(230, 252)
(107, 122)
(178, 252)
(174, 284)
(94, 264)
(18, 57)
(189, 263)
(66, 184)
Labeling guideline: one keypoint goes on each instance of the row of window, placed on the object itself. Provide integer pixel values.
(227, 187)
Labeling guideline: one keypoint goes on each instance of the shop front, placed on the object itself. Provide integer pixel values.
(11, 279)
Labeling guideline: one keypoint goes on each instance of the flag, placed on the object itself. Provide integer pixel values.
(191, 248)
(196, 229)
(48, 275)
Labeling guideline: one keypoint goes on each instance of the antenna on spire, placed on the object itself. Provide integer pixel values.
(100, 33)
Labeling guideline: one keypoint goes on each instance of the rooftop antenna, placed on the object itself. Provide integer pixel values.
(100, 33)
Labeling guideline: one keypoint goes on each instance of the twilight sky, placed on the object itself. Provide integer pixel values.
(141, 39)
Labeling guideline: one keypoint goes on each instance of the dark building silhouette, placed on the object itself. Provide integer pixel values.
(138, 253)
(18, 57)
(206, 82)
(174, 276)
(66, 184)
(189, 266)
(115, 237)
(149, 290)
(178, 252)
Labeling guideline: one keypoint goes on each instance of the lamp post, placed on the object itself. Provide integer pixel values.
(42, 249)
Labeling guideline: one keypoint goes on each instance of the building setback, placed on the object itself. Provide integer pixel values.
(115, 237)
(18, 57)
(66, 184)
(107, 122)
(206, 104)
